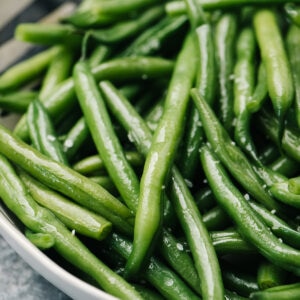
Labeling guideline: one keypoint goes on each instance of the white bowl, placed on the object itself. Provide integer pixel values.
(50, 270)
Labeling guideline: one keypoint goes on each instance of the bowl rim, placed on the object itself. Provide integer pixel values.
(46, 267)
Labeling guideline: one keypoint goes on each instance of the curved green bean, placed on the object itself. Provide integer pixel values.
(39, 219)
(231, 156)
(260, 91)
(249, 225)
(206, 84)
(97, 13)
(49, 34)
(274, 57)
(230, 242)
(284, 292)
(74, 139)
(27, 70)
(128, 28)
(17, 102)
(243, 89)
(270, 127)
(159, 275)
(242, 283)
(224, 39)
(94, 163)
(292, 44)
(278, 226)
(186, 209)
(65, 180)
(63, 99)
(71, 214)
(287, 192)
(160, 157)
(42, 132)
(58, 70)
(179, 7)
(104, 136)
(270, 275)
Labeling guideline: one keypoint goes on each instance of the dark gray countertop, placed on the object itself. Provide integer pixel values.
(19, 281)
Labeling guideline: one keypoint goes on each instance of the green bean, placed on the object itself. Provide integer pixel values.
(233, 296)
(294, 185)
(114, 7)
(243, 89)
(160, 276)
(287, 192)
(179, 7)
(230, 242)
(269, 275)
(147, 293)
(278, 226)
(284, 292)
(249, 225)
(63, 179)
(215, 219)
(160, 157)
(195, 13)
(269, 153)
(151, 41)
(154, 115)
(285, 166)
(63, 97)
(260, 91)
(176, 8)
(99, 54)
(182, 263)
(274, 57)
(39, 219)
(72, 215)
(42, 240)
(48, 34)
(105, 139)
(270, 126)
(292, 44)
(203, 253)
(205, 82)
(94, 163)
(105, 182)
(128, 28)
(188, 161)
(187, 212)
(58, 70)
(268, 176)
(126, 114)
(84, 17)
(79, 133)
(224, 38)
(241, 282)
(206, 76)
(204, 198)
(17, 102)
(75, 138)
(104, 13)
(42, 132)
(231, 155)
(27, 70)
(293, 12)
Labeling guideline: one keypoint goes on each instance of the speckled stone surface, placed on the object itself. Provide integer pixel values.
(19, 281)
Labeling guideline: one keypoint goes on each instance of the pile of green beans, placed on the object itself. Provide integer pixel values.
(158, 146)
